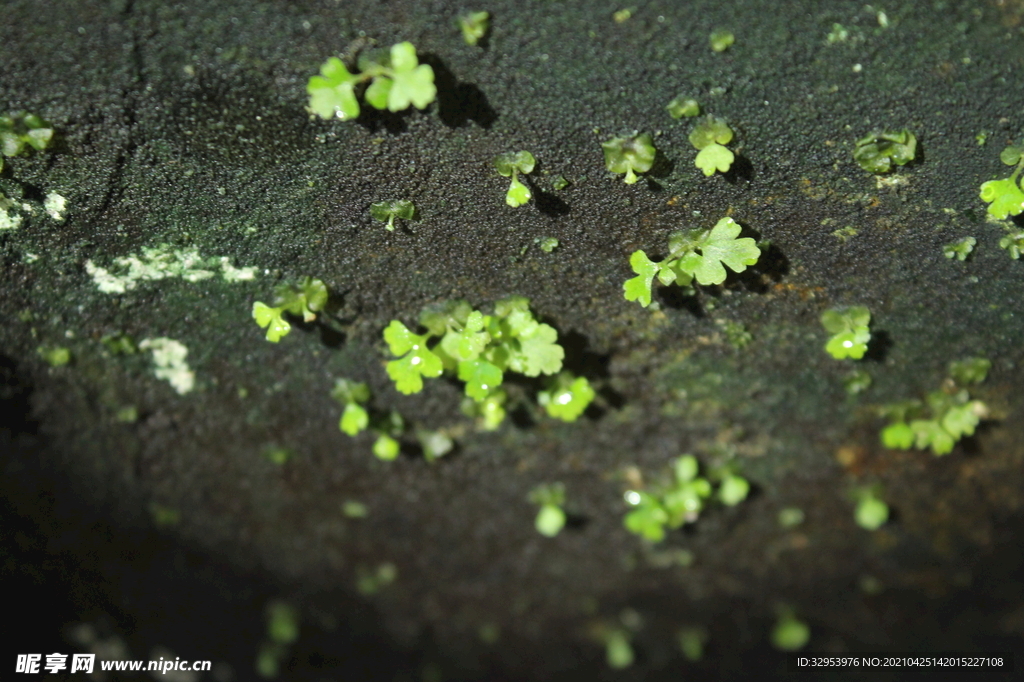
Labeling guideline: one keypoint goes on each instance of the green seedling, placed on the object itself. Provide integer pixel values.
(693, 255)
(735, 333)
(306, 299)
(20, 131)
(55, 356)
(710, 137)
(474, 26)
(1005, 197)
(387, 211)
(944, 417)
(282, 631)
(435, 444)
(856, 382)
(396, 81)
(1013, 242)
(489, 413)
(849, 329)
(681, 107)
(629, 155)
(618, 650)
(790, 633)
(871, 512)
(691, 642)
(879, 152)
(510, 165)
(959, 249)
(721, 40)
(566, 396)
(550, 519)
(371, 582)
(277, 454)
(352, 395)
(547, 244)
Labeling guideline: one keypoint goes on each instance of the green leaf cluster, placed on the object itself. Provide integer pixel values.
(306, 299)
(1005, 197)
(721, 40)
(871, 512)
(629, 155)
(566, 396)
(356, 417)
(474, 26)
(679, 500)
(681, 107)
(944, 417)
(878, 152)
(479, 349)
(387, 211)
(551, 518)
(710, 137)
(960, 249)
(21, 130)
(1013, 242)
(396, 81)
(849, 329)
(510, 165)
(693, 255)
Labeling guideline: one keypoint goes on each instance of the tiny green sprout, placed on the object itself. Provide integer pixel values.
(693, 255)
(387, 211)
(871, 513)
(1013, 242)
(681, 107)
(856, 382)
(691, 642)
(710, 137)
(733, 490)
(386, 448)
(369, 582)
(735, 333)
(417, 360)
(1005, 197)
(849, 329)
(395, 82)
(277, 454)
(969, 371)
(648, 518)
(20, 130)
(547, 244)
(510, 165)
(558, 183)
(120, 343)
(791, 517)
(629, 155)
(550, 519)
(127, 415)
(618, 650)
(306, 299)
(623, 15)
(959, 249)
(474, 26)
(435, 444)
(282, 622)
(721, 40)
(352, 395)
(878, 152)
(790, 633)
(354, 509)
(55, 356)
(566, 396)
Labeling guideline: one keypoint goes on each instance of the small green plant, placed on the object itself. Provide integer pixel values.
(856, 382)
(849, 329)
(396, 81)
(629, 155)
(790, 633)
(721, 40)
(566, 396)
(693, 255)
(879, 152)
(306, 299)
(509, 165)
(55, 356)
(710, 137)
(871, 512)
(19, 131)
(550, 519)
(944, 417)
(681, 107)
(547, 244)
(959, 249)
(680, 499)
(1005, 197)
(735, 333)
(282, 631)
(387, 211)
(352, 395)
(356, 418)
(618, 650)
(474, 26)
(1013, 242)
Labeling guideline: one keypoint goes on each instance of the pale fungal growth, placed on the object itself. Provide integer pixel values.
(55, 205)
(163, 262)
(169, 357)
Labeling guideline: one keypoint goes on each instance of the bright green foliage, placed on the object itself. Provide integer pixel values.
(683, 107)
(879, 152)
(306, 299)
(479, 349)
(353, 396)
(790, 633)
(959, 249)
(386, 448)
(721, 40)
(871, 513)
(20, 130)
(550, 519)
(693, 255)
(395, 82)
(509, 165)
(943, 418)
(566, 397)
(1013, 242)
(849, 329)
(679, 500)
(629, 155)
(1005, 197)
(474, 26)
(710, 137)
(387, 211)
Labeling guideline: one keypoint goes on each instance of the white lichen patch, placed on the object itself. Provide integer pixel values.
(163, 262)
(169, 357)
(7, 221)
(54, 205)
